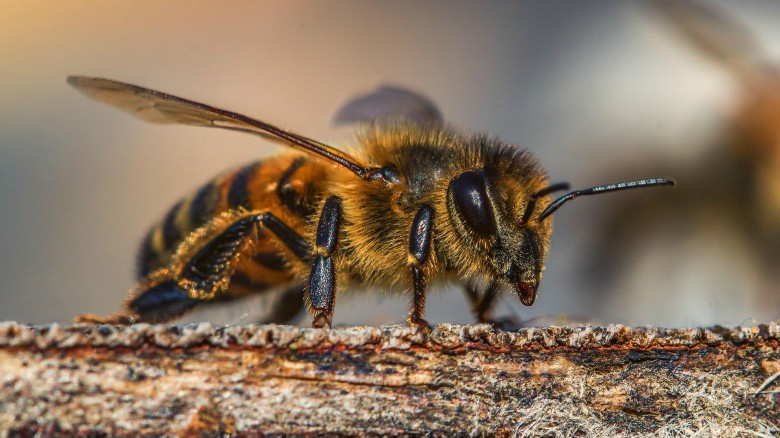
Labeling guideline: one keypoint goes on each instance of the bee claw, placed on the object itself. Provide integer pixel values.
(321, 321)
(115, 319)
(423, 326)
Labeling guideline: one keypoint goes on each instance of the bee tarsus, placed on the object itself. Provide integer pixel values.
(322, 281)
(419, 250)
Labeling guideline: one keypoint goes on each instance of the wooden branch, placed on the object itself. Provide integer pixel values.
(201, 380)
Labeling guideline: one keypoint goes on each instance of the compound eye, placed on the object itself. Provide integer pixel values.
(469, 194)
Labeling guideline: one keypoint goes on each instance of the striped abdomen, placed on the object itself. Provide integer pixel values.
(286, 185)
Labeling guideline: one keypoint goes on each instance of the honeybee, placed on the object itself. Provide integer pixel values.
(417, 202)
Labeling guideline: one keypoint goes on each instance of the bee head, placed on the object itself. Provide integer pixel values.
(502, 219)
(491, 214)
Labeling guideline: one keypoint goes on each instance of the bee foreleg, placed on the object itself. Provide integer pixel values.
(322, 281)
(419, 250)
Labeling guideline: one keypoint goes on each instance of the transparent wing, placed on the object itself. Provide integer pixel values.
(389, 102)
(158, 107)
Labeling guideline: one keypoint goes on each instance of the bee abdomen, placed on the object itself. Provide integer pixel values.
(286, 185)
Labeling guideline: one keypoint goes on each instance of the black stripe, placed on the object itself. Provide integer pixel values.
(171, 233)
(238, 194)
(287, 194)
(204, 204)
(147, 260)
(271, 260)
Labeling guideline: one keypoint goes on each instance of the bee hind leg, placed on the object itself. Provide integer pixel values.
(168, 293)
(158, 298)
(208, 272)
(162, 302)
(119, 318)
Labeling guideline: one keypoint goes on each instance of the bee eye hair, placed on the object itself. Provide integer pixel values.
(469, 194)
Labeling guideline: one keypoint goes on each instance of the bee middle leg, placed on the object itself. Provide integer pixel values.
(419, 251)
(322, 281)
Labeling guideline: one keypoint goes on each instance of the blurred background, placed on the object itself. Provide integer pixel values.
(600, 92)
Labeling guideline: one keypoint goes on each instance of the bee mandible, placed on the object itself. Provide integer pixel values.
(417, 202)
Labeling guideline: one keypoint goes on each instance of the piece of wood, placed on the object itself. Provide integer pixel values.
(470, 380)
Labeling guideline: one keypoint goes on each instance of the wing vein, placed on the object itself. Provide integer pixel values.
(158, 107)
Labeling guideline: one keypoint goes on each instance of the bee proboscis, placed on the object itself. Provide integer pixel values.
(417, 202)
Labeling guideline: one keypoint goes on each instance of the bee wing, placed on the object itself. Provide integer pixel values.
(715, 34)
(388, 102)
(158, 107)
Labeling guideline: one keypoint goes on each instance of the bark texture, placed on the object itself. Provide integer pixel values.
(198, 380)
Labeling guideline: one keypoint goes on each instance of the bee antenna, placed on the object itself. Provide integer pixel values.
(626, 185)
(529, 209)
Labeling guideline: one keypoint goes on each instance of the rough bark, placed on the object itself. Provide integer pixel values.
(467, 380)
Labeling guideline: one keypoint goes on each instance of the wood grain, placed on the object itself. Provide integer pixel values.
(199, 380)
